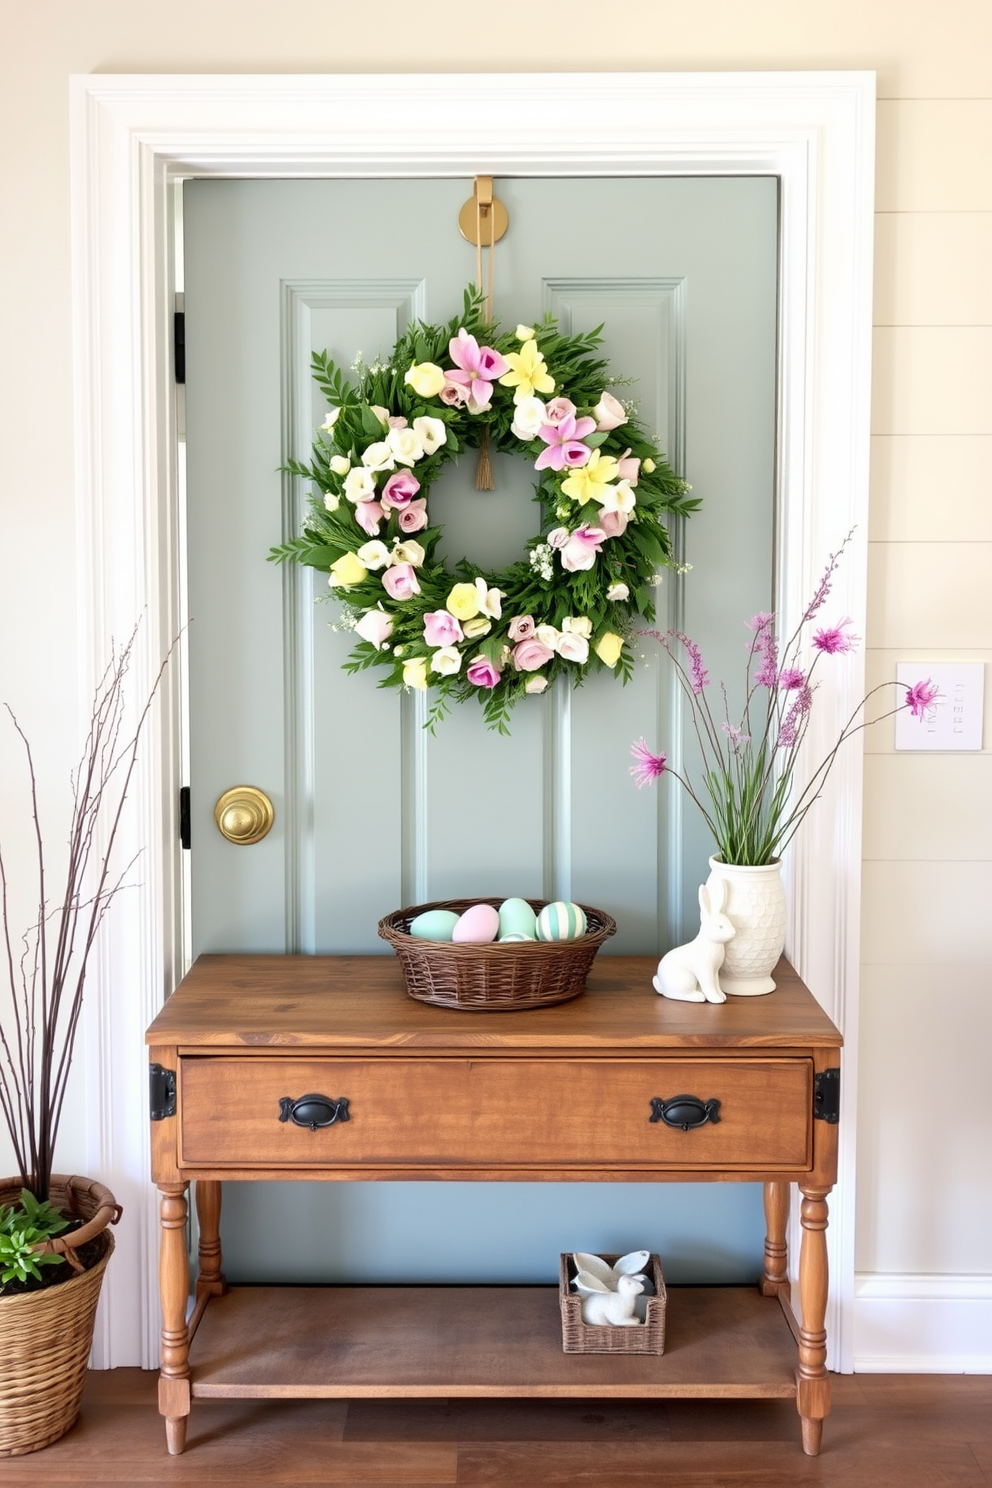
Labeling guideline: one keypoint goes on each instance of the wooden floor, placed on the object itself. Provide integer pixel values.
(886, 1431)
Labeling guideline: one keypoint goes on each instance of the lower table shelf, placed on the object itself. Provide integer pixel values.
(355, 1342)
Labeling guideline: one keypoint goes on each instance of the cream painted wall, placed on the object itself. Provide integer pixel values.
(926, 1009)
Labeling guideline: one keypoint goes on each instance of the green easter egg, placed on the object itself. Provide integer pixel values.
(517, 918)
(434, 924)
(561, 921)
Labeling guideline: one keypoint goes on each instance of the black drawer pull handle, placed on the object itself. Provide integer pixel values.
(685, 1111)
(313, 1110)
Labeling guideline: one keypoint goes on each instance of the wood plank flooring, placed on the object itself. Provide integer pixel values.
(886, 1431)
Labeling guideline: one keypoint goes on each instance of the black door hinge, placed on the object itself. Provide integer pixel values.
(179, 344)
(184, 831)
(161, 1092)
(826, 1096)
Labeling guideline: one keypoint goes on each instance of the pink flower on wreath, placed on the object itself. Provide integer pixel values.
(531, 654)
(564, 440)
(559, 409)
(477, 368)
(442, 629)
(921, 697)
(521, 628)
(482, 672)
(399, 489)
(413, 517)
(836, 640)
(613, 523)
(582, 548)
(628, 467)
(558, 537)
(400, 581)
(368, 515)
(453, 394)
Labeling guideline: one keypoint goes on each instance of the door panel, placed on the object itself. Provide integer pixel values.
(371, 811)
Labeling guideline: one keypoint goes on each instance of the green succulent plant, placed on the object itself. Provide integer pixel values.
(22, 1226)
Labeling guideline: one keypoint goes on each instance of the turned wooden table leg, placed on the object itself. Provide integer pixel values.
(776, 1275)
(173, 1382)
(812, 1381)
(210, 1278)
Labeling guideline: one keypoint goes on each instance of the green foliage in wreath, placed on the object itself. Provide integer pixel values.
(588, 574)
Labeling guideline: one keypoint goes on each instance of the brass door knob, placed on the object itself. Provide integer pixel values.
(244, 814)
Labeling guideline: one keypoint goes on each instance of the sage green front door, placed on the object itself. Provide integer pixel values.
(371, 811)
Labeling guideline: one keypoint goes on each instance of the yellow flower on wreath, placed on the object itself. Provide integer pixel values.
(348, 570)
(528, 372)
(590, 482)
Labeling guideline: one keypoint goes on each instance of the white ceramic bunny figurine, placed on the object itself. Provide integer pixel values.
(691, 973)
(619, 1308)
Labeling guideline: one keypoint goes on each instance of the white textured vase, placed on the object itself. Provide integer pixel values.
(755, 906)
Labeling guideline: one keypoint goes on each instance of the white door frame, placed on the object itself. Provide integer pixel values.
(132, 138)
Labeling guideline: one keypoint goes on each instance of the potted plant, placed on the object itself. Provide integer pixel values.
(54, 1240)
(746, 782)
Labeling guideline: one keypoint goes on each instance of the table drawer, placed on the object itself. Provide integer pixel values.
(514, 1113)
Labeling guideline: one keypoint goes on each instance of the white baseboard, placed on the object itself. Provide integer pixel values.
(910, 1324)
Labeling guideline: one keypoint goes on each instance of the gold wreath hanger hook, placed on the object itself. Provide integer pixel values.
(483, 220)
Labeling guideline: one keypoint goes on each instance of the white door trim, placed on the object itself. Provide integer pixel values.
(132, 137)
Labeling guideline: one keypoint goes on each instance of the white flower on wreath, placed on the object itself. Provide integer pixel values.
(572, 647)
(378, 456)
(431, 432)
(331, 501)
(340, 464)
(477, 627)
(579, 625)
(407, 552)
(618, 592)
(536, 682)
(490, 601)
(374, 555)
(359, 484)
(330, 419)
(405, 445)
(548, 635)
(446, 661)
(375, 626)
(619, 498)
(528, 417)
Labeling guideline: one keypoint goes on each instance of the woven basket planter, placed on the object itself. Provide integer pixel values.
(46, 1336)
(494, 978)
(578, 1337)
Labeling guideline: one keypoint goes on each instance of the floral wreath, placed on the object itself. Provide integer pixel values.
(603, 487)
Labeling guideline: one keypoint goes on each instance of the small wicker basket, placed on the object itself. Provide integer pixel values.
(578, 1337)
(494, 978)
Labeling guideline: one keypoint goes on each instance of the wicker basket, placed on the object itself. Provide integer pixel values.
(494, 978)
(578, 1337)
(46, 1336)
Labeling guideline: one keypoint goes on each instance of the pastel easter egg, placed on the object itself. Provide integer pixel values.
(479, 923)
(515, 935)
(517, 918)
(434, 924)
(561, 921)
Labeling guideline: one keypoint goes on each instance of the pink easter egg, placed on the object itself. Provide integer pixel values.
(479, 923)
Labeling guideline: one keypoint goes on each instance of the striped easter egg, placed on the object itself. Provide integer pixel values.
(513, 936)
(561, 921)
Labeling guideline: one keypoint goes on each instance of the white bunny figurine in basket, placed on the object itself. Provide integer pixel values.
(691, 973)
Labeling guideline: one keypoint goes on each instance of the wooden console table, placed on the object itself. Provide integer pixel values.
(399, 1089)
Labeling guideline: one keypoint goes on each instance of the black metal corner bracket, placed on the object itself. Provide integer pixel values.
(826, 1096)
(161, 1092)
